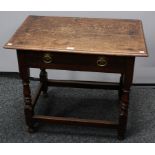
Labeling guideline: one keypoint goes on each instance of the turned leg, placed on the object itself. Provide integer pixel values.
(24, 74)
(123, 114)
(124, 98)
(28, 109)
(44, 80)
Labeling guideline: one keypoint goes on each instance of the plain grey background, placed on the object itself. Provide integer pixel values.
(144, 67)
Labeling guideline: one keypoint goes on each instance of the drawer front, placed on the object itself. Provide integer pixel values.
(78, 62)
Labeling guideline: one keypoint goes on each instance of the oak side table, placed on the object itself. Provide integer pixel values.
(78, 44)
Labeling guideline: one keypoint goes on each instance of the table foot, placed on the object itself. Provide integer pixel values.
(31, 130)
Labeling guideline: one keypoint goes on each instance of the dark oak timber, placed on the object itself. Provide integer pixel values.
(52, 119)
(78, 44)
(24, 74)
(80, 35)
(124, 97)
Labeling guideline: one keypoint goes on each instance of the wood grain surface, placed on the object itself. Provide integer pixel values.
(80, 35)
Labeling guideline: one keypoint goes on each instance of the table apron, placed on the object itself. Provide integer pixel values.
(74, 62)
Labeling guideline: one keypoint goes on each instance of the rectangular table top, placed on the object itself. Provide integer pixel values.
(80, 35)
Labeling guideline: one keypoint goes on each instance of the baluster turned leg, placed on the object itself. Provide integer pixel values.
(24, 74)
(44, 80)
(28, 109)
(123, 114)
(124, 98)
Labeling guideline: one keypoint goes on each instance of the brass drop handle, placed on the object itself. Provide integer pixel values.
(102, 62)
(47, 58)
